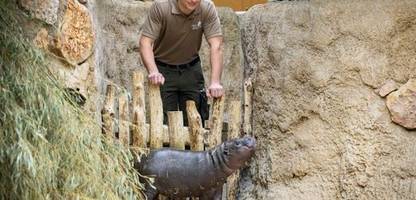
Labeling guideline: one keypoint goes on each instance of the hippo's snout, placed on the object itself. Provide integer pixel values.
(249, 142)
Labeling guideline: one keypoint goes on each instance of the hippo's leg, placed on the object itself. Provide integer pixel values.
(212, 194)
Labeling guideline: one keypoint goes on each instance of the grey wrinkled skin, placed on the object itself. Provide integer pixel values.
(201, 174)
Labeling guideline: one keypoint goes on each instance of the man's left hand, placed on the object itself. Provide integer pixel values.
(215, 90)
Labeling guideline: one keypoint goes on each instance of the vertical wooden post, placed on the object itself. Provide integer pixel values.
(124, 132)
(216, 121)
(156, 117)
(175, 126)
(233, 132)
(195, 126)
(248, 106)
(139, 110)
(107, 113)
(235, 120)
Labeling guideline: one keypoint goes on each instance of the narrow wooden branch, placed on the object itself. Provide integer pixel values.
(234, 132)
(156, 117)
(248, 106)
(216, 121)
(234, 120)
(124, 121)
(139, 109)
(195, 127)
(175, 121)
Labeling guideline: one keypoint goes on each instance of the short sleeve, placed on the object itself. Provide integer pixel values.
(153, 23)
(212, 26)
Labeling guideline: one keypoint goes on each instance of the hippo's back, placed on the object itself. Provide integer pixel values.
(182, 173)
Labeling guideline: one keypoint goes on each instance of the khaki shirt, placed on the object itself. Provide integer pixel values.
(178, 37)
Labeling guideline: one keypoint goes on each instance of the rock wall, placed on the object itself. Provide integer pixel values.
(334, 85)
(65, 30)
(323, 129)
(119, 25)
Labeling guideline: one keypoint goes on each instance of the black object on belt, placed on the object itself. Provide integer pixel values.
(181, 66)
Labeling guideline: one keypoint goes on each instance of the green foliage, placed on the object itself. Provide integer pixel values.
(49, 149)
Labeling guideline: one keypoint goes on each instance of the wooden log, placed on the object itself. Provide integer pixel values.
(123, 127)
(156, 117)
(195, 127)
(107, 113)
(234, 124)
(165, 136)
(186, 135)
(147, 135)
(233, 132)
(175, 124)
(156, 128)
(248, 106)
(216, 122)
(139, 109)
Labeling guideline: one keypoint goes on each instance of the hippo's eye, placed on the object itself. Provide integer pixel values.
(237, 143)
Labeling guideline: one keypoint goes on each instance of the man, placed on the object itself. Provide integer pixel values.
(169, 46)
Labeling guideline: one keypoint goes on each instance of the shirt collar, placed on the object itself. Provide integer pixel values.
(177, 11)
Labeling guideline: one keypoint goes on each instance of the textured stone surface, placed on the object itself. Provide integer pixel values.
(45, 10)
(118, 33)
(402, 105)
(76, 38)
(323, 133)
(70, 46)
(232, 76)
(388, 87)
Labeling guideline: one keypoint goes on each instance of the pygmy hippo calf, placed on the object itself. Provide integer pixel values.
(201, 174)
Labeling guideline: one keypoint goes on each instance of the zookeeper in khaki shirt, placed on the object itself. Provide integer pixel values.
(169, 45)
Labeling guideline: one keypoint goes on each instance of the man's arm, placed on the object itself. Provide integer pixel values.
(215, 88)
(146, 52)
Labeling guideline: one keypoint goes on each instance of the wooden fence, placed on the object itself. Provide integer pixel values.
(135, 132)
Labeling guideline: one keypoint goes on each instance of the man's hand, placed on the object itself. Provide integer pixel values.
(215, 90)
(156, 78)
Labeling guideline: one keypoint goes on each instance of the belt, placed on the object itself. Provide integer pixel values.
(181, 66)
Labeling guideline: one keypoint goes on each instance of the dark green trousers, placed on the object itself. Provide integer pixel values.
(181, 84)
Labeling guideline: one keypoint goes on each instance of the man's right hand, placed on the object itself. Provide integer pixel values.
(156, 78)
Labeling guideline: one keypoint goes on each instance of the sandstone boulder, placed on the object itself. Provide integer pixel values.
(402, 105)
(45, 10)
(388, 87)
(76, 38)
